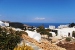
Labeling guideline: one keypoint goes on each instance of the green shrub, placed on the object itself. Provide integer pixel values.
(23, 32)
(68, 39)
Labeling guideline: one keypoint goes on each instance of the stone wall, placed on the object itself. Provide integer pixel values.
(45, 45)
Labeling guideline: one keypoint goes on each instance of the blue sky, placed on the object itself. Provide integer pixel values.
(54, 11)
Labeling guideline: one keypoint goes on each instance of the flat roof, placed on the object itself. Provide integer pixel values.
(70, 29)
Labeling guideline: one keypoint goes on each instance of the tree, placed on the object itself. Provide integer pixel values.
(49, 35)
(44, 31)
(48, 30)
(40, 29)
(72, 24)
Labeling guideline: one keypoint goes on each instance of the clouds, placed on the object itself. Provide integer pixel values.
(43, 19)
(39, 18)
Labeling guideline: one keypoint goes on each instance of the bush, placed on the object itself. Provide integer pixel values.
(48, 30)
(68, 39)
(23, 48)
(49, 34)
(40, 29)
(23, 32)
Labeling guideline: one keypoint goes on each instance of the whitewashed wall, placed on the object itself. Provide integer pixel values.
(34, 35)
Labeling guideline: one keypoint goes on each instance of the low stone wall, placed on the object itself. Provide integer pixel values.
(45, 45)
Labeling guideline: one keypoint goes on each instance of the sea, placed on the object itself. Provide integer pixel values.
(46, 25)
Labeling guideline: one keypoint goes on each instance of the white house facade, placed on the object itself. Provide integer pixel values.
(63, 26)
(4, 23)
(51, 27)
(65, 32)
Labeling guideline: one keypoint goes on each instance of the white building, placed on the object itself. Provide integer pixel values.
(63, 26)
(65, 32)
(51, 27)
(34, 35)
(4, 23)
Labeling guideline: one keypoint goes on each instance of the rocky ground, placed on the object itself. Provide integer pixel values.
(44, 45)
(32, 45)
(67, 45)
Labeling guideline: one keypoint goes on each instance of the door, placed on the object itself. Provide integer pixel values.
(68, 34)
